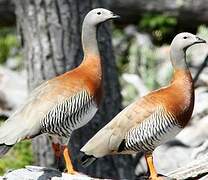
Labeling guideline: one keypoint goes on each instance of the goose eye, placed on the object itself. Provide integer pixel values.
(98, 13)
(185, 37)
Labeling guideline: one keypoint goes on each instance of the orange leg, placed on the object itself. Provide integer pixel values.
(60, 150)
(67, 158)
(150, 164)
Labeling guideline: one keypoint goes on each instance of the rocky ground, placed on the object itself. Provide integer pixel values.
(42, 173)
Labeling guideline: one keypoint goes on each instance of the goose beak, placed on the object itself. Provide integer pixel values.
(115, 16)
(200, 40)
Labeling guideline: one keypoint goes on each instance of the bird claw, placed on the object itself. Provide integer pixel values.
(158, 177)
(71, 171)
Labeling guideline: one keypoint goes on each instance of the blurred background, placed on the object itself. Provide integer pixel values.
(41, 39)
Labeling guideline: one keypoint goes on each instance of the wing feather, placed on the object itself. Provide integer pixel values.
(25, 122)
(109, 138)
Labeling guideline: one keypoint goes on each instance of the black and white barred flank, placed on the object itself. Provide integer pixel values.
(69, 115)
(155, 130)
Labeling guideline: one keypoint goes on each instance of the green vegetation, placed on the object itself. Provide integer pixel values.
(19, 156)
(160, 26)
(135, 58)
(121, 60)
(203, 31)
(9, 45)
(138, 58)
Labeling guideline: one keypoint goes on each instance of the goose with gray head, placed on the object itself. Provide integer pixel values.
(152, 119)
(64, 103)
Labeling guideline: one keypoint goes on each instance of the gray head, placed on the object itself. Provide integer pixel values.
(184, 40)
(89, 28)
(179, 46)
(99, 15)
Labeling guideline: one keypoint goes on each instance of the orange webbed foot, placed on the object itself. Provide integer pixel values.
(70, 171)
(152, 170)
(60, 150)
(69, 166)
(157, 177)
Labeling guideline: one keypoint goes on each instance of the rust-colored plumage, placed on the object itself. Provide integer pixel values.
(153, 119)
(178, 98)
(87, 76)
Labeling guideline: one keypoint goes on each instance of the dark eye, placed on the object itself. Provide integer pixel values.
(98, 13)
(185, 37)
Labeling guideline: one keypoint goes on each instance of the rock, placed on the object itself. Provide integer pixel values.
(142, 39)
(195, 134)
(137, 82)
(176, 161)
(201, 103)
(186, 147)
(197, 54)
(193, 170)
(164, 66)
(200, 151)
(13, 89)
(13, 63)
(171, 156)
(42, 173)
(203, 78)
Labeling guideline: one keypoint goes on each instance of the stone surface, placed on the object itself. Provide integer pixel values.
(42, 173)
(13, 89)
(136, 82)
(194, 170)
